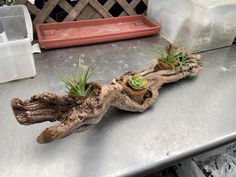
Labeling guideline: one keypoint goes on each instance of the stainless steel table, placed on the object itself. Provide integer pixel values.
(190, 117)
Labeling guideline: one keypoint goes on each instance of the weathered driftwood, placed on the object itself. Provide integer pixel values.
(76, 115)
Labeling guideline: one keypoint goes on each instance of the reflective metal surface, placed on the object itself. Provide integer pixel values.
(191, 116)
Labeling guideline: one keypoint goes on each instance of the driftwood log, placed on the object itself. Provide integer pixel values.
(77, 115)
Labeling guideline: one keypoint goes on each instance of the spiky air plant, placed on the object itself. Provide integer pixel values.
(78, 86)
(174, 58)
(183, 62)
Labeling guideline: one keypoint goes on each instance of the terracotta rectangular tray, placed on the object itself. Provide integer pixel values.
(65, 34)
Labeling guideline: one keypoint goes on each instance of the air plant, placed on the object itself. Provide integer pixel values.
(78, 86)
(168, 57)
(137, 82)
(182, 62)
(174, 58)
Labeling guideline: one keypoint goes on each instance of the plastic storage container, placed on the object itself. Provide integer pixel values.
(196, 25)
(16, 58)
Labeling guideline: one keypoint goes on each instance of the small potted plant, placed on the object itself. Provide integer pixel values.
(136, 85)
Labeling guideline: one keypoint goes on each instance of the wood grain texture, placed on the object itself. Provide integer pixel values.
(76, 10)
(88, 13)
(65, 5)
(102, 10)
(83, 10)
(45, 12)
(33, 9)
(125, 5)
(133, 4)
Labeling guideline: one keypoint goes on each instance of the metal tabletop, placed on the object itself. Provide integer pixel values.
(191, 116)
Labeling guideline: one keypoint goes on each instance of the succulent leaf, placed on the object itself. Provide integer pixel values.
(137, 82)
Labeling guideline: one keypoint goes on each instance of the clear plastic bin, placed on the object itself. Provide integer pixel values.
(196, 25)
(16, 58)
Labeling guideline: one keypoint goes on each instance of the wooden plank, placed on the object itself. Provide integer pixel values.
(107, 6)
(127, 8)
(145, 2)
(76, 10)
(80, 17)
(123, 14)
(102, 10)
(97, 15)
(84, 9)
(68, 8)
(45, 12)
(133, 4)
(145, 12)
(33, 9)
(65, 6)
(88, 12)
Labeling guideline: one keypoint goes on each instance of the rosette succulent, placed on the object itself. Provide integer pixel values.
(137, 82)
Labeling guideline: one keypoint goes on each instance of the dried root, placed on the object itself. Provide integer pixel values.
(77, 115)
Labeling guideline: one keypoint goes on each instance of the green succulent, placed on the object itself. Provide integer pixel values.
(78, 86)
(137, 82)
